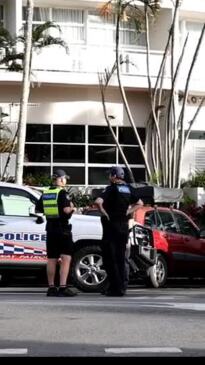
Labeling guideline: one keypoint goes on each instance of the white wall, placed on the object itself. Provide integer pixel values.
(76, 105)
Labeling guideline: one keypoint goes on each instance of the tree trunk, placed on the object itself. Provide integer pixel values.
(25, 95)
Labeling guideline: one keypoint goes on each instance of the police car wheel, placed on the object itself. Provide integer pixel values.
(88, 273)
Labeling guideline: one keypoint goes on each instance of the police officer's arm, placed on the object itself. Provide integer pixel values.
(69, 210)
(132, 208)
(65, 202)
(99, 203)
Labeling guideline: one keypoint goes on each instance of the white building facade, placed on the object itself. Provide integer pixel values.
(66, 126)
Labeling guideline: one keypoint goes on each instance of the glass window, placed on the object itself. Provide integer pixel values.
(1, 15)
(77, 174)
(139, 175)
(127, 136)
(150, 220)
(101, 135)
(101, 29)
(66, 154)
(133, 155)
(129, 34)
(33, 172)
(37, 153)
(15, 202)
(39, 14)
(69, 133)
(38, 133)
(185, 226)
(197, 135)
(72, 24)
(168, 222)
(100, 154)
(98, 176)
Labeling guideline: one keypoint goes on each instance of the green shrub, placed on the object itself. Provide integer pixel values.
(197, 180)
(37, 180)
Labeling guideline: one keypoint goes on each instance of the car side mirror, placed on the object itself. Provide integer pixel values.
(40, 219)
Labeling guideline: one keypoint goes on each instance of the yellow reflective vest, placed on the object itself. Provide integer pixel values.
(50, 202)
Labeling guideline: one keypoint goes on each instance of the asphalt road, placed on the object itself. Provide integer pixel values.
(146, 322)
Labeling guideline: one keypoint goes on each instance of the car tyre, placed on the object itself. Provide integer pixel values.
(158, 273)
(87, 270)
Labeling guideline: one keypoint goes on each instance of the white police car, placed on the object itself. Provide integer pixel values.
(22, 239)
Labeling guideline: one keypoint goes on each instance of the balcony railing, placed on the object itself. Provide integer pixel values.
(96, 59)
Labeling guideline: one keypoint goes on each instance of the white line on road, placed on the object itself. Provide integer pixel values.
(128, 350)
(13, 351)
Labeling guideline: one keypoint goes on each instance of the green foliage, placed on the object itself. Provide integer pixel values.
(197, 180)
(37, 180)
(197, 214)
(81, 200)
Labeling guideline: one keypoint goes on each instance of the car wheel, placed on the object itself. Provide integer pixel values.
(87, 269)
(158, 273)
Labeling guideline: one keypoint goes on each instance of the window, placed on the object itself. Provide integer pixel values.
(69, 133)
(101, 30)
(185, 226)
(126, 135)
(98, 176)
(1, 15)
(38, 133)
(65, 153)
(197, 135)
(152, 219)
(168, 222)
(103, 154)
(101, 135)
(37, 153)
(133, 155)
(15, 202)
(71, 22)
(129, 35)
(82, 150)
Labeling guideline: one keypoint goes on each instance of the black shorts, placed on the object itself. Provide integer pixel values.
(59, 243)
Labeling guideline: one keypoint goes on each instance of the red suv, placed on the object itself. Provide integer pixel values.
(179, 242)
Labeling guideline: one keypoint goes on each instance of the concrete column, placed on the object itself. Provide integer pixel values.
(13, 16)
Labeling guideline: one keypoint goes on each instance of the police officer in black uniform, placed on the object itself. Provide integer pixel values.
(113, 203)
(57, 207)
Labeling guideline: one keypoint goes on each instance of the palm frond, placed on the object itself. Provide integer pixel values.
(50, 41)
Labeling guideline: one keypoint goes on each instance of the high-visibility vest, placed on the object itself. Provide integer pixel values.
(50, 202)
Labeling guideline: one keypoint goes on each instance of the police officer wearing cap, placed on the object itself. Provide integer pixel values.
(57, 207)
(113, 203)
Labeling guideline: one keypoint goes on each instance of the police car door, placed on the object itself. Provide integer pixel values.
(21, 238)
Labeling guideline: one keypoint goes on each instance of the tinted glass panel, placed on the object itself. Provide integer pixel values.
(139, 175)
(69, 133)
(102, 154)
(133, 155)
(168, 222)
(100, 135)
(98, 176)
(65, 154)
(127, 136)
(197, 135)
(15, 202)
(185, 226)
(38, 133)
(37, 153)
(35, 175)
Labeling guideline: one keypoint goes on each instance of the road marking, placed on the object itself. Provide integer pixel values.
(128, 350)
(13, 351)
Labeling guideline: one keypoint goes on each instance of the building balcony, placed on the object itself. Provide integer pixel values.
(83, 64)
